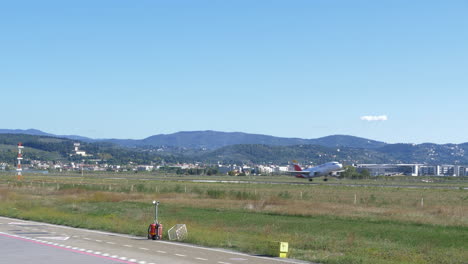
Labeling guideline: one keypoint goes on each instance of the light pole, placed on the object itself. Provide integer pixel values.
(156, 204)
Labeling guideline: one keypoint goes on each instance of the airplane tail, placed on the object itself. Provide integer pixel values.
(296, 166)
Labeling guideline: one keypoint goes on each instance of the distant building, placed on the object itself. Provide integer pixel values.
(446, 170)
(281, 169)
(78, 151)
(145, 168)
(427, 170)
(413, 169)
(390, 169)
(260, 169)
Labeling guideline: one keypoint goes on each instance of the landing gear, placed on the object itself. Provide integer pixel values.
(310, 179)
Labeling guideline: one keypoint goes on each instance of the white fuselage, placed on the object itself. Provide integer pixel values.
(321, 170)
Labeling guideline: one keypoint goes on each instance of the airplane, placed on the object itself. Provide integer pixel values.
(326, 169)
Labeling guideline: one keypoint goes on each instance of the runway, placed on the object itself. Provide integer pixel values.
(305, 182)
(34, 242)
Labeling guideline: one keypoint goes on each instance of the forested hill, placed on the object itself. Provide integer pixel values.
(394, 153)
(52, 148)
(215, 139)
(48, 148)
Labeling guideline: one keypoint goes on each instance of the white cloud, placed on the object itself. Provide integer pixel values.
(374, 118)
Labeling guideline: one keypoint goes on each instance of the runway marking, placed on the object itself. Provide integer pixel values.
(23, 223)
(160, 251)
(56, 238)
(238, 259)
(180, 255)
(132, 260)
(75, 249)
(142, 262)
(98, 240)
(160, 241)
(86, 238)
(220, 262)
(144, 248)
(112, 243)
(201, 259)
(128, 246)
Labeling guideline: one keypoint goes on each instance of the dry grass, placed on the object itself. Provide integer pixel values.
(243, 216)
(441, 207)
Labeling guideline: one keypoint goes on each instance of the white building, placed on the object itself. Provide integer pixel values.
(414, 169)
(390, 169)
(78, 151)
(145, 167)
(264, 169)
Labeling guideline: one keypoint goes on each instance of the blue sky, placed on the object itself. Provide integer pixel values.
(131, 69)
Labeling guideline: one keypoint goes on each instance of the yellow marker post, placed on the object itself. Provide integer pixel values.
(278, 249)
(283, 249)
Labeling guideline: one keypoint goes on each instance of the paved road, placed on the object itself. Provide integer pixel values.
(34, 242)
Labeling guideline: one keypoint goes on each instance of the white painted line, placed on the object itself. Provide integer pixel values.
(97, 253)
(56, 238)
(220, 262)
(89, 251)
(86, 238)
(105, 255)
(132, 260)
(115, 256)
(128, 246)
(144, 248)
(123, 258)
(160, 251)
(21, 223)
(180, 255)
(142, 262)
(201, 259)
(112, 243)
(98, 240)
(173, 244)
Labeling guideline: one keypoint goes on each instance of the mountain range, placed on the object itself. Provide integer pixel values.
(237, 147)
(214, 139)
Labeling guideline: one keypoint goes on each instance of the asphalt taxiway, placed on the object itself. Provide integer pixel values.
(34, 242)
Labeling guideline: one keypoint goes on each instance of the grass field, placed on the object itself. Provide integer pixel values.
(327, 224)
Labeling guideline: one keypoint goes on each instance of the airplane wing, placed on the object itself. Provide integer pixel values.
(299, 172)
